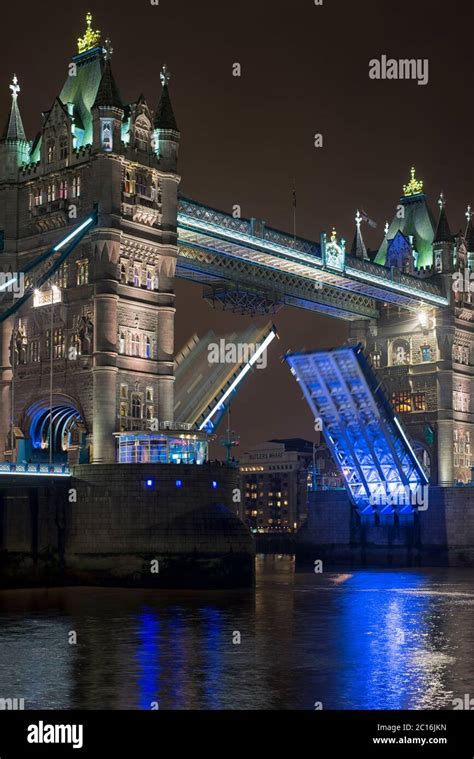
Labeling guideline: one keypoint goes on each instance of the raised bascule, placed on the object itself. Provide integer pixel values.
(93, 233)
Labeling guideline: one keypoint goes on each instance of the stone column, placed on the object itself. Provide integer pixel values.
(6, 328)
(105, 375)
(165, 340)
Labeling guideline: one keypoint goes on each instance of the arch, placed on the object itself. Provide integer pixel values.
(39, 424)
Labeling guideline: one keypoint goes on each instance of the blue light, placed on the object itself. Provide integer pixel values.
(149, 484)
(214, 484)
(179, 483)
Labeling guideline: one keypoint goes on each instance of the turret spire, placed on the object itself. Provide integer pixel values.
(14, 127)
(443, 231)
(164, 116)
(108, 93)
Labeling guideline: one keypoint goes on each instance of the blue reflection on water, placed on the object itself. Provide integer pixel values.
(381, 629)
(148, 658)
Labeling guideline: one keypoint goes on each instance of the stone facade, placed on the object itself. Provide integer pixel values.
(112, 315)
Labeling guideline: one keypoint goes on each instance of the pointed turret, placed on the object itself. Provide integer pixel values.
(358, 248)
(166, 133)
(443, 242)
(14, 147)
(107, 109)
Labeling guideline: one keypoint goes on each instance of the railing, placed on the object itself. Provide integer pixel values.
(58, 470)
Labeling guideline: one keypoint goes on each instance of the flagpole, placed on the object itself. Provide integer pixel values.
(294, 211)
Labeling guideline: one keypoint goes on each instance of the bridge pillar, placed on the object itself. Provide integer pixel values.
(105, 372)
(6, 329)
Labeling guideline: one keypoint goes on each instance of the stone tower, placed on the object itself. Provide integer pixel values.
(103, 331)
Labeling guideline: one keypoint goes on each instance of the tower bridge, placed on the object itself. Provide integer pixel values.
(100, 327)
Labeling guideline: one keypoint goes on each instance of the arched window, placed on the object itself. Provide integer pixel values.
(123, 273)
(149, 280)
(135, 344)
(425, 352)
(136, 406)
(136, 277)
(51, 151)
(400, 352)
(63, 148)
(122, 342)
(147, 347)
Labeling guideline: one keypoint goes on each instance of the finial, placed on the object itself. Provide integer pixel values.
(386, 228)
(165, 75)
(333, 235)
(109, 51)
(441, 201)
(15, 87)
(90, 39)
(358, 219)
(468, 214)
(414, 186)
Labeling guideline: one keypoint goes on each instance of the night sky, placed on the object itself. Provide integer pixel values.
(304, 71)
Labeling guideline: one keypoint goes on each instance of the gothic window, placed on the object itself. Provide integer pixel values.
(141, 136)
(63, 148)
(129, 183)
(401, 402)
(376, 359)
(124, 391)
(135, 344)
(51, 151)
(76, 186)
(148, 348)
(38, 196)
(149, 394)
(136, 277)
(62, 275)
(154, 282)
(123, 273)
(136, 406)
(419, 402)
(51, 192)
(461, 400)
(122, 344)
(63, 189)
(34, 351)
(83, 272)
(149, 280)
(142, 185)
(400, 353)
(58, 343)
(425, 352)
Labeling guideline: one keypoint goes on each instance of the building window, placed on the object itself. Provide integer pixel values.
(122, 343)
(149, 394)
(76, 187)
(129, 183)
(123, 273)
(135, 344)
(38, 196)
(376, 360)
(51, 151)
(461, 400)
(142, 185)
(62, 275)
(35, 351)
(401, 402)
(419, 402)
(63, 148)
(149, 280)
(400, 353)
(136, 277)
(58, 343)
(83, 272)
(136, 406)
(425, 352)
(124, 391)
(147, 347)
(51, 192)
(63, 189)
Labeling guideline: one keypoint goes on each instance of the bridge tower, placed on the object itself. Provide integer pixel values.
(107, 327)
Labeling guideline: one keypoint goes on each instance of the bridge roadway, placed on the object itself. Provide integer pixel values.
(215, 248)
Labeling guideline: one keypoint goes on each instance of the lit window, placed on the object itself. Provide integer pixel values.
(136, 406)
(38, 196)
(401, 402)
(147, 347)
(122, 344)
(123, 273)
(35, 351)
(149, 393)
(83, 272)
(51, 150)
(426, 353)
(135, 344)
(419, 402)
(51, 192)
(149, 280)
(76, 187)
(136, 277)
(63, 189)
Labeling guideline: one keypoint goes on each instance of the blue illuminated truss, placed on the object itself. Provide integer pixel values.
(380, 469)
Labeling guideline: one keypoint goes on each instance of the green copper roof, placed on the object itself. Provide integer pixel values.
(81, 90)
(417, 221)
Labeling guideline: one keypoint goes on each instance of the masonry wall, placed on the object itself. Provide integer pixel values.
(115, 527)
(443, 535)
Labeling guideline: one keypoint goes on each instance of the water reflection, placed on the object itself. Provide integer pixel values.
(367, 639)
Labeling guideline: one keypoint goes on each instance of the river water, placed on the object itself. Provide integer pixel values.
(379, 639)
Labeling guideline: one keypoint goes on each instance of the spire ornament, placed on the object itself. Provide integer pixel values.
(165, 75)
(15, 87)
(109, 51)
(414, 186)
(90, 39)
(441, 201)
(468, 214)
